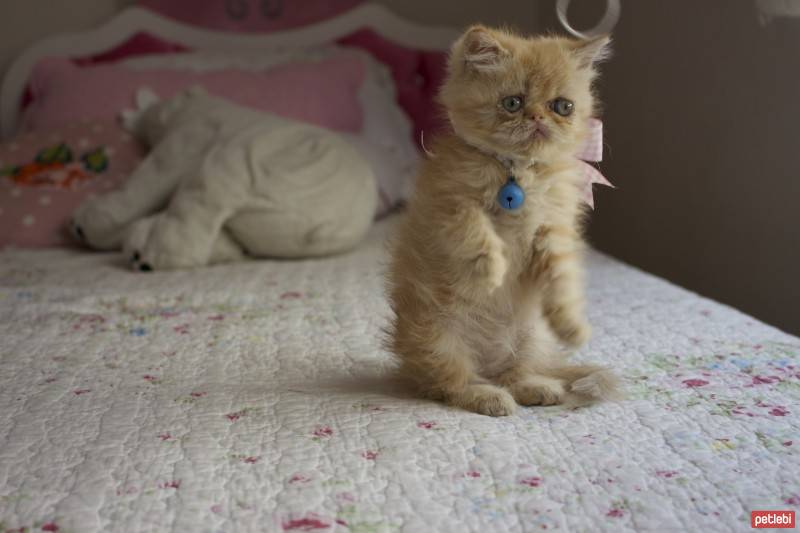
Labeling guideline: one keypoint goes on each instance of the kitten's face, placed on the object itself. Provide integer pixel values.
(521, 98)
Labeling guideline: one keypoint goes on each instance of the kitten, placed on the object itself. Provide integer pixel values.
(484, 297)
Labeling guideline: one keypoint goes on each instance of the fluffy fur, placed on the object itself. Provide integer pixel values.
(486, 300)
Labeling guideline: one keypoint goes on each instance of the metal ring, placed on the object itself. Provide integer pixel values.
(603, 27)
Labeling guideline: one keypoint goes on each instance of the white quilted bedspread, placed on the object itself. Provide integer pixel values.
(252, 397)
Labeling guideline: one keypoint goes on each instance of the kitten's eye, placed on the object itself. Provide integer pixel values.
(562, 106)
(512, 104)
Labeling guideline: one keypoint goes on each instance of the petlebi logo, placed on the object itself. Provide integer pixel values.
(772, 519)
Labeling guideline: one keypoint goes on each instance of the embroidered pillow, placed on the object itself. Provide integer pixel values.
(44, 176)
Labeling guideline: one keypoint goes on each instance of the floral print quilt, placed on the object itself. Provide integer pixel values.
(256, 397)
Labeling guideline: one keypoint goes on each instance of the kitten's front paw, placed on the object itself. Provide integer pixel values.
(492, 267)
(572, 330)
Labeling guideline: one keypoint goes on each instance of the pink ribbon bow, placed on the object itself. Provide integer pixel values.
(592, 152)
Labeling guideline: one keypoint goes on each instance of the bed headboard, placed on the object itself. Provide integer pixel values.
(381, 22)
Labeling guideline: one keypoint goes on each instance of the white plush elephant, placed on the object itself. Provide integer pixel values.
(222, 182)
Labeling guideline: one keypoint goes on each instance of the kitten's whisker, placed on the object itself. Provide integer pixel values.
(422, 143)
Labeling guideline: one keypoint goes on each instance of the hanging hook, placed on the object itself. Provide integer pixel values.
(603, 27)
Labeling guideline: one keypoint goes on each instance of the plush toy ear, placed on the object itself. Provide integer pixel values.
(480, 49)
(196, 90)
(130, 119)
(592, 51)
(145, 97)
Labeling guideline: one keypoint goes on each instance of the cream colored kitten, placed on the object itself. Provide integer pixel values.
(484, 298)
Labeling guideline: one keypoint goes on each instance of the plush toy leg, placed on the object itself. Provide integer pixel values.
(136, 239)
(186, 234)
(102, 222)
(311, 228)
(223, 250)
(226, 250)
(290, 235)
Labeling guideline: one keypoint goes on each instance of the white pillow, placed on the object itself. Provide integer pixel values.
(385, 140)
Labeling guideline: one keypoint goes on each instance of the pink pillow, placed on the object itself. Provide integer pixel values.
(141, 43)
(417, 76)
(324, 93)
(249, 15)
(44, 176)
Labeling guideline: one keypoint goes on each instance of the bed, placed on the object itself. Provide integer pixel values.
(256, 397)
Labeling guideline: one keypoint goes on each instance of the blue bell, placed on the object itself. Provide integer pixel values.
(511, 196)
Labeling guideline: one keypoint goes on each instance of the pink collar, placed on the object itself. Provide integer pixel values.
(590, 152)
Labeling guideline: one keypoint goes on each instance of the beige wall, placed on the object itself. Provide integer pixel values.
(23, 22)
(702, 108)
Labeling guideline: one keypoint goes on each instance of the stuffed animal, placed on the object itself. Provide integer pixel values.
(223, 182)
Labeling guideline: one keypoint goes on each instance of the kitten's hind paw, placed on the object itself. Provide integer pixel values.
(600, 385)
(538, 390)
(485, 399)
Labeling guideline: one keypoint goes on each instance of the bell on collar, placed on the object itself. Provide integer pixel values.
(511, 196)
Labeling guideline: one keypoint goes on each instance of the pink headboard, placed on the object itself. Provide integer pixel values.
(256, 16)
(417, 73)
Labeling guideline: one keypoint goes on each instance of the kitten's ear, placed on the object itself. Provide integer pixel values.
(592, 51)
(480, 49)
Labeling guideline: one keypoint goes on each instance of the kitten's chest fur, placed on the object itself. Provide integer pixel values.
(431, 274)
(543, 207)
(515, 308)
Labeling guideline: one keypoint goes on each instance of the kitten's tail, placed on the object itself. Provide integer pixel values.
(587, 384)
